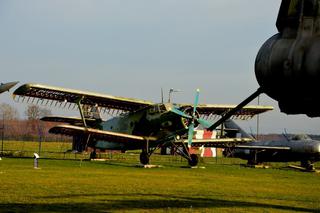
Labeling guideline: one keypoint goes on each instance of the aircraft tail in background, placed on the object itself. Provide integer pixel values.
(231, 125)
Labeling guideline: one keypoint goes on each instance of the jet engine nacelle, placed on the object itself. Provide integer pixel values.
(287, 66)
(288, 70)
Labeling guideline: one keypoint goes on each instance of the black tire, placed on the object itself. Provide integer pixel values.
(144, 158)
(193, 161)
(93, 155)
(307, 165)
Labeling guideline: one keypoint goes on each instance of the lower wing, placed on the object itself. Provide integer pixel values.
(70, 120)
(97, 134)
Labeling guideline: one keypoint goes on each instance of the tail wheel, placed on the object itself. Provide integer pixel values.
(193, 161)
(144, 158)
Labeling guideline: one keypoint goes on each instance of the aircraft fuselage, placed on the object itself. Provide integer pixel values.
(157, 121)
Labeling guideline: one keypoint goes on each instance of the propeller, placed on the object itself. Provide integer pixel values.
(193, 118)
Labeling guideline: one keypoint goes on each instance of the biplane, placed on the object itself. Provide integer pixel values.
(134, 123)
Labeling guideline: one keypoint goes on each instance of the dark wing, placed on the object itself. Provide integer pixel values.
(70, 120)
(103, 135)
(213, 110)
(219, 142)
(256, 147)
(62, 97)
(7, 86)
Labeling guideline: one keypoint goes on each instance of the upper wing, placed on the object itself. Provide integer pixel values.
(66, 97)
(99, 134)
(209, 110)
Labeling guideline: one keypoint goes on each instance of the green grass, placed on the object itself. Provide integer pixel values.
(119, 186)
(30, 146)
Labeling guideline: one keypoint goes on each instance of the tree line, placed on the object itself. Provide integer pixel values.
(31, 128)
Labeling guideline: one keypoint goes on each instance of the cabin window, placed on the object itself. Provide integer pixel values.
(157, 109)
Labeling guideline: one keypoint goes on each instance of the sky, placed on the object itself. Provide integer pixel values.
(134, 48)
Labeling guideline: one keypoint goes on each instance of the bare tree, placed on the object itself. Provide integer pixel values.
(45, 112)
(35, 112)
(8, 112)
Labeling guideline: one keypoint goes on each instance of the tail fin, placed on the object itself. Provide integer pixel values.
(231, 125)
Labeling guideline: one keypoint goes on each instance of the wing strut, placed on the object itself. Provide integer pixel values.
(237, 108)
(81, 111)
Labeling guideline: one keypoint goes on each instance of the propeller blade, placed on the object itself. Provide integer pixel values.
(206, 124)
(191, 126)
(190, 134)
(182, 114)
(196, 100)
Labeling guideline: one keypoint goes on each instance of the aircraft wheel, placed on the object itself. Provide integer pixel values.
(307, 165)
(93, 155)
(252, 162)
(144, 158)
(193, 161)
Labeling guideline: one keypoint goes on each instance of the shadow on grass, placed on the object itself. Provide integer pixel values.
(144, 202)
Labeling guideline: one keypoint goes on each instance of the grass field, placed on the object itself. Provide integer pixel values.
(119, 186)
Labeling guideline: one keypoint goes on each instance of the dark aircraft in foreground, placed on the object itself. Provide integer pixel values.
(7, 86)
(136, 124)
(287, 66)
(299, 148)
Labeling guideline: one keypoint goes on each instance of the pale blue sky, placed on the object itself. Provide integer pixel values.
(133, 48)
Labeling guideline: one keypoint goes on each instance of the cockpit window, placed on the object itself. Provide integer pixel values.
(300, 137)
(162, 108)
(157, 108)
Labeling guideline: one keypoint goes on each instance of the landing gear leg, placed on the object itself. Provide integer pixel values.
(144, 158)
(147, 152)
(93, 155)
(184, 152)
(254, 160)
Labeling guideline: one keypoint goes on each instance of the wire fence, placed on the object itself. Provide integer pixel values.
(63, 150)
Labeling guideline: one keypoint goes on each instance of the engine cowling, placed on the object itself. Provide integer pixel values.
(186, 122)
(288, 70)
(287, 66)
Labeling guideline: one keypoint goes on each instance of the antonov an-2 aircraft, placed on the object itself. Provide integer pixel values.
(136, 124)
